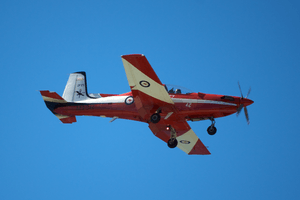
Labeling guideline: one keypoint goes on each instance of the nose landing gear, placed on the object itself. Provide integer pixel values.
(211, 130)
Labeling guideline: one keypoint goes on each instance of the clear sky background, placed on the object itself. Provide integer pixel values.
(205, 45)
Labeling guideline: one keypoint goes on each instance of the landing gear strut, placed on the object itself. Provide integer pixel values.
(211, 130)
(172, 142)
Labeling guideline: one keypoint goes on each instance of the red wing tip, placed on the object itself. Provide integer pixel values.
(199, 149)
(208, 153)
(132, 55)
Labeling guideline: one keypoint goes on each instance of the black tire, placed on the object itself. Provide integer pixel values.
(172, 143)
(155, 118)
(211, 130)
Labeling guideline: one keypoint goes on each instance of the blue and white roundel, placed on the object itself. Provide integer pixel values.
(184, 142)
(129, 100)
(144, 83)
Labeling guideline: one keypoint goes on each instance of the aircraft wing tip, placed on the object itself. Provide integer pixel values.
(133, 55)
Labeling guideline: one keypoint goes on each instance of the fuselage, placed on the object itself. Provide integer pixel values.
(166, 108)
(192, 106)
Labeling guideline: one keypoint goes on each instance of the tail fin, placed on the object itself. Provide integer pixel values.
(76, 88)
(53, 101)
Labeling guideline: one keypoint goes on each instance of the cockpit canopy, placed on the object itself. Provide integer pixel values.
(95, 95)
(174, 89)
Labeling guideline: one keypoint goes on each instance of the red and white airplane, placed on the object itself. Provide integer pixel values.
(165, 108)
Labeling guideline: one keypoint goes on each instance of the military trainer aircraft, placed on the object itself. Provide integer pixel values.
(165, 108)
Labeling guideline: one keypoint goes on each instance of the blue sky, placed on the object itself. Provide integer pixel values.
(207, 46)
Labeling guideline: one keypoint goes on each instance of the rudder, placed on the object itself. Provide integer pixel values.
(76, 88)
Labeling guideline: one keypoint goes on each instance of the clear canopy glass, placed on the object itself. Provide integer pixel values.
(95, 95)
(175, 89)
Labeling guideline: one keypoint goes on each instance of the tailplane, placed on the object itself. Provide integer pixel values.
(75, 91)
(76, 88)
(53, 101)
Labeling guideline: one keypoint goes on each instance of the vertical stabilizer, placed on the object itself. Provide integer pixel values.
(76, 88)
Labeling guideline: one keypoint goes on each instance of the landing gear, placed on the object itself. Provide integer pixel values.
(172, 142)
(155, 118)
(211, 130)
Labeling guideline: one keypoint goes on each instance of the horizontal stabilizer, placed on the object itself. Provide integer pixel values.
(52, 97)
(53, 101)
(66, 119)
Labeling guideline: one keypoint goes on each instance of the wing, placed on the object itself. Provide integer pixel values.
(148, 92)
(186, 137)
(150, 95)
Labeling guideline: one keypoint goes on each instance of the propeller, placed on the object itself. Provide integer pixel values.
(239, 109)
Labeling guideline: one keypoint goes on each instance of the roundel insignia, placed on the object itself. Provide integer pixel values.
(129, 100)
(184, 142)
(144, 83)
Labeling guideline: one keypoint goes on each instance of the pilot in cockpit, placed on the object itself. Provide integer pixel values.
(178, 91)
(171, 91)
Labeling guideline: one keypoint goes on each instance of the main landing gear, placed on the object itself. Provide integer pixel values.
(155, 118)
(211, 130)
(172, 142)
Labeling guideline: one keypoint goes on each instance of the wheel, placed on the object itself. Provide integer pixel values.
(155, 118)
(211, 130)
(172, 143)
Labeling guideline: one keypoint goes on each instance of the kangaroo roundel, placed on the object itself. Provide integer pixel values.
(144, 83)
(129, 100)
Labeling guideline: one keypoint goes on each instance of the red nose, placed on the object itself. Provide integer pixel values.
(246, 102)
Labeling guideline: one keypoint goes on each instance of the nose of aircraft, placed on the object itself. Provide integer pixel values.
(247, 102)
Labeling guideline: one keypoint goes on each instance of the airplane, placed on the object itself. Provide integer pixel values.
(166, 108)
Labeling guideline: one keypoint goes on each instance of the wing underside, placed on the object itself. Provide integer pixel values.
(148, 92)
(188, 141)
(150, 96)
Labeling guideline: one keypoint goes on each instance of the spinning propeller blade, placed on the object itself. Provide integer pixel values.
(246, 114)
(240, 90)
(248, 92)
(239, 109)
